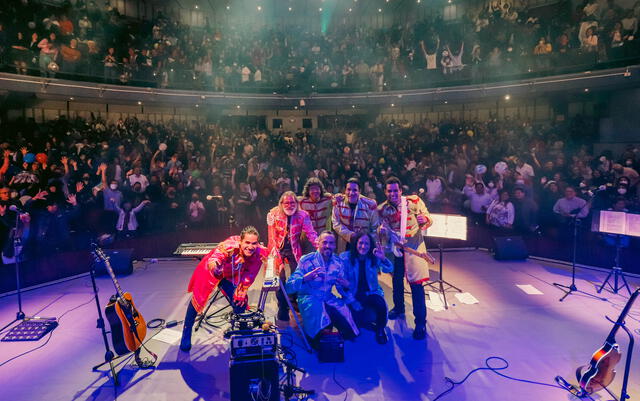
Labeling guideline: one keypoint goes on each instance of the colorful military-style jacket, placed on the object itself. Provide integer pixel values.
(319, 212)
(416, 268)
(277, 224)
(346, 221)
(235, 268)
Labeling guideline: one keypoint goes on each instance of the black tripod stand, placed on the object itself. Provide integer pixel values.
(616, 271)
(289, 389)
(568, 290)
(109, 356)
(17, 256)
(441, 282)
(217, 313)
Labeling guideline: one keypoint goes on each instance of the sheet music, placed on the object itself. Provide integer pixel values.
(447, 226)
(633, 224)
(613, 222)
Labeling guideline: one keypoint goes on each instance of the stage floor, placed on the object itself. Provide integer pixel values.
(539, 336)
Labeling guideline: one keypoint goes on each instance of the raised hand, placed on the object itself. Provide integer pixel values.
(64, 160)
(24, 150)
(378, 252)
(79, 186)
(42, 195)
(3, 210)
(72, 199)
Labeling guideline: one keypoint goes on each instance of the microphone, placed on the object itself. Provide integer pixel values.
(16, 209)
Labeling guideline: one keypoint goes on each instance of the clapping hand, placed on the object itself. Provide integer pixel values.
(42, 195)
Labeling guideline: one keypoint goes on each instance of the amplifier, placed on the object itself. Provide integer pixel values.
(254, 379)
(254, 345)
(331, 348)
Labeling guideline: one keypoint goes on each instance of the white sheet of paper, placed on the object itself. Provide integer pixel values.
(435, 302)
(435, 308)
(529, 289)
(168, 336)
(633, 224)
(467, 298)
(613, 222)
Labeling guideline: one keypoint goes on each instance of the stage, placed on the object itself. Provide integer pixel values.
(539, 337)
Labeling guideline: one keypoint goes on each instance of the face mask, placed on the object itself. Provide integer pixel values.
(491, 185)
(113, 186)
(629, 162)
(520, 182)
(603, 159)
(543, 180)
(622, 191)
(582, 185)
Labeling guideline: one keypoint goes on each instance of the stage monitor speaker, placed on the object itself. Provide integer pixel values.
(121, 262)
(509, 248)
(254, 379)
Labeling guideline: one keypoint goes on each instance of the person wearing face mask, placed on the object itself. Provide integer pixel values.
(196, 211)
(232, 266)
(353, 213)
(631, 174)
(286, 223)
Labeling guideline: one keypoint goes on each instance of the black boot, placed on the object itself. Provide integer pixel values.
(189, 319)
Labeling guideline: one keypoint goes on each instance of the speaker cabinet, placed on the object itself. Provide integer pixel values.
(254, 379)
(120, 260)
(510, 248)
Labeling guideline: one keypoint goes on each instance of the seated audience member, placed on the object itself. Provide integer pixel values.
(313, 282)
(362, 264)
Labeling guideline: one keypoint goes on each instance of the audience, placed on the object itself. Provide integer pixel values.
(498, 38)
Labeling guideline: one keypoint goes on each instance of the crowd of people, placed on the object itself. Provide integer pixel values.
(99, 177)
(82, 40)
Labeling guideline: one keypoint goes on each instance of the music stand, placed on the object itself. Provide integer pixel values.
(217, 313)
(619, 225)
(451, 227)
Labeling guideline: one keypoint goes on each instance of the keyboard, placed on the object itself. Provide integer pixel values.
(191, 249)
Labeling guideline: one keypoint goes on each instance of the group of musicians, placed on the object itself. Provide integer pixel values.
(361, 232)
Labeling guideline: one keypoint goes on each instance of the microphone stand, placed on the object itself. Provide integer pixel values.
(569, 289)
(17, 250)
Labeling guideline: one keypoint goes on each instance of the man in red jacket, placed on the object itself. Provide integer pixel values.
(232, 266)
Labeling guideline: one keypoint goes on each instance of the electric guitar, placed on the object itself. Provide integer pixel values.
(395, 239)
(128, 328)
(600, 371)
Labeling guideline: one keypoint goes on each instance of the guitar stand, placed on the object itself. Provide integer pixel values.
(109, 356)
(217, 313)
(441, 282)
(617, 272)
(627, 364)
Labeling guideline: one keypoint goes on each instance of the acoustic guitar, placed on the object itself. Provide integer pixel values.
(128, 328)
(600, 371)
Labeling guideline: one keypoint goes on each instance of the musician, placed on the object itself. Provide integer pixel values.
(286, 222)
(353, 213)
(412, 210)
(232, 266)
(361, 264)
(313, 282)
(317, 202)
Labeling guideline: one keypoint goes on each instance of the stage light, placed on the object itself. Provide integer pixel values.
(320, 9)
(238, 106)
(290, 8)
(418, 1)
(139, 103)
(228, 7)
(351, 9)
(353, 106)
(259, 8)
(393, 105)
(586, 90)
(203, 97)
(196, 6)
(71, 98)
(446, 102)
(295, 107)
(379, 10)
(507, 97)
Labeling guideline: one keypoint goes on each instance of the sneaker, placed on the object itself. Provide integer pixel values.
(395, 314)
(420, 333)
(381, 336)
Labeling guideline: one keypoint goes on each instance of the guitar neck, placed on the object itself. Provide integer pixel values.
(620, 321)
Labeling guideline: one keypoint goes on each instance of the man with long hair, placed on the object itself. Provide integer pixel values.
(286, 223)
(317, 202)
(232, 266)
